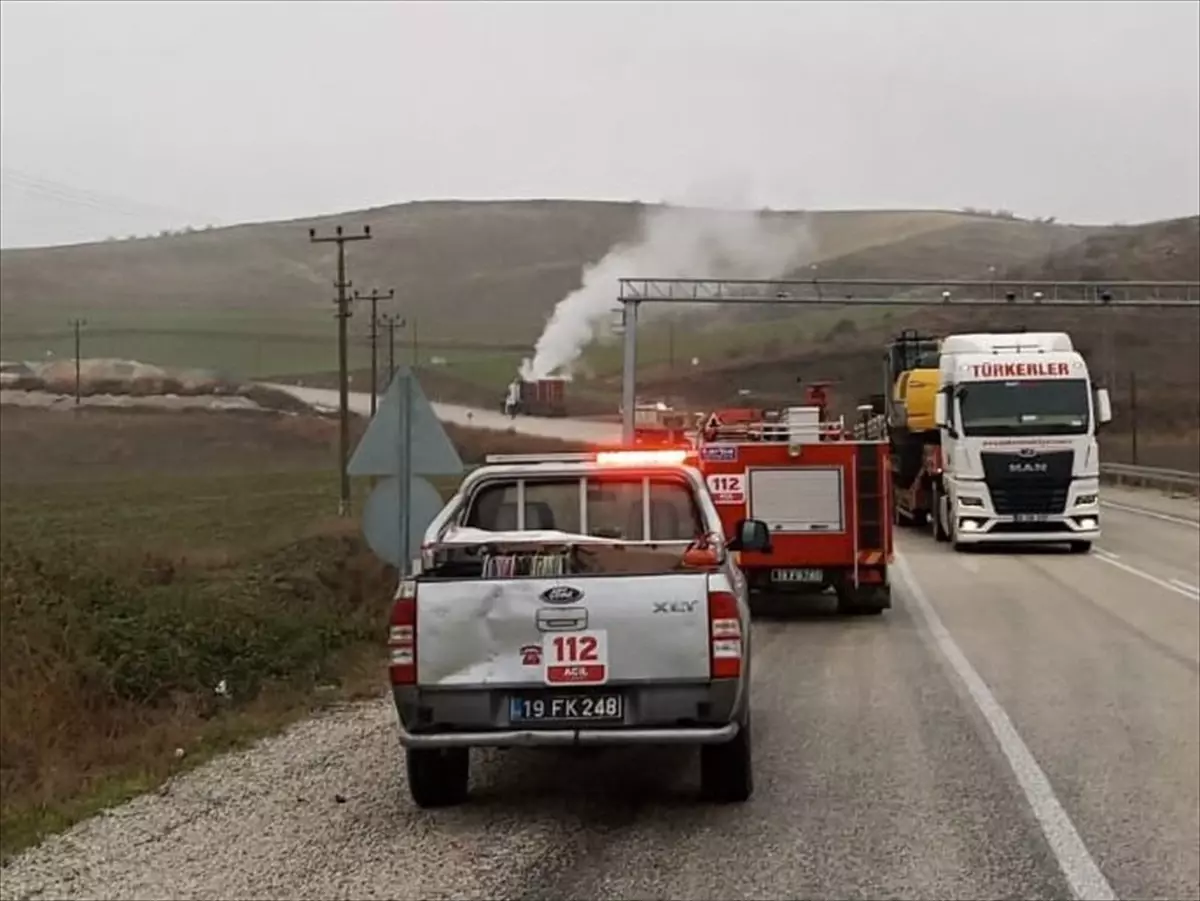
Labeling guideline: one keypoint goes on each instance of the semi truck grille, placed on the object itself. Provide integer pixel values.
(1028, 484)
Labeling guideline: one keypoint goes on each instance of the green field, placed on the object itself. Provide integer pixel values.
(147, 558)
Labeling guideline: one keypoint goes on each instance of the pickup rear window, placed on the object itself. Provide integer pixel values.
(621, 506)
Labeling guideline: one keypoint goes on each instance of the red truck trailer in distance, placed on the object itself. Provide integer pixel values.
(536, 397)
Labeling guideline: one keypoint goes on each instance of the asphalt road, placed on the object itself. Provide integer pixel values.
(1019, 725)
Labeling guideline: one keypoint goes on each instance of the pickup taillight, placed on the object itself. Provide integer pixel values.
(402, 635)
(725, 636)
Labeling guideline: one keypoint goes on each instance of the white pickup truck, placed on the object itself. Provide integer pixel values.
(575, 600)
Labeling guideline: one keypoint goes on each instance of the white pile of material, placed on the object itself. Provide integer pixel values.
(118, 383)
(49, 400)
(113, 376)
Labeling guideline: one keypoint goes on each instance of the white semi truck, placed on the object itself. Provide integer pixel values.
(1017, 416)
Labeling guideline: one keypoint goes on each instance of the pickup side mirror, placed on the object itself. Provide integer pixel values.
(940, 410)
(751, 535)
(1103, 407)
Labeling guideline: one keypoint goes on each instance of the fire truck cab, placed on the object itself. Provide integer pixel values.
(823, 494)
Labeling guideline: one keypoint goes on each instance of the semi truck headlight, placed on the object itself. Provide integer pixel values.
(1085, 500)
(970, 502)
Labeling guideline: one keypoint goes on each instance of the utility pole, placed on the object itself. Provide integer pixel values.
(78, 325)
(1133, 418)
(392, 322)
(375, 297)
(416, 348)
(343, 313)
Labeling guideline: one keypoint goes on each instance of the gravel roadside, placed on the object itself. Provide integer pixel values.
(320, 811)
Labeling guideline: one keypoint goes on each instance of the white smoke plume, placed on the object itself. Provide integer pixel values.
(674, 242)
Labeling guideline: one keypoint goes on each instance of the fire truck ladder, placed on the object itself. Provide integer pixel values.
(780, 431)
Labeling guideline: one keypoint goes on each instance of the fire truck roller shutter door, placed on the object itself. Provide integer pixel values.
(798, 499)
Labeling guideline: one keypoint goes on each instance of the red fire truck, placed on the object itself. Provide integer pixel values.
(659, 425)
(823, 493)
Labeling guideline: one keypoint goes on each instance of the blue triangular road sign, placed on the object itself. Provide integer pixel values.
(383, 511)
(378, 453)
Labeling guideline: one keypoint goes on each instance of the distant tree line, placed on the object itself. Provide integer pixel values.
(164, 233)
(1006, 214)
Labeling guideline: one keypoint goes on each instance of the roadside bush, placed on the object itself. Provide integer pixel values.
(283, 620)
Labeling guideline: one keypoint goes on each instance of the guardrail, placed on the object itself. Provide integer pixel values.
(1174, 480)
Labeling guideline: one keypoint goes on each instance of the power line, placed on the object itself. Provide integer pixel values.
(78, 325)
(374, 297)
(343, 313)
(58, 190)
(392, 322)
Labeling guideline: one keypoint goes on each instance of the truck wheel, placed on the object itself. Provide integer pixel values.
(866, 600)
(1080, 547)
(438, 777)
(935, 515)
(727, 770)
(760, 603)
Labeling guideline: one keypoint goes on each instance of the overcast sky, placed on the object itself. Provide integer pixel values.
(122, 118)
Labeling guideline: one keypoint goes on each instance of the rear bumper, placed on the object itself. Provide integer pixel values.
(656, 714)
(529, 738)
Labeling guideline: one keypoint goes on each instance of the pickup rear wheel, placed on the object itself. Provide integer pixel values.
(438, 777)
(726, 770)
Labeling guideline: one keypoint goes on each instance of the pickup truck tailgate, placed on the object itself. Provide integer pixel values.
(573, 630)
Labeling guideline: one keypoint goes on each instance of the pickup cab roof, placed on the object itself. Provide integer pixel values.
(587, 499)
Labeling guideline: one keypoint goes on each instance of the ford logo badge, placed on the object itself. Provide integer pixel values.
(561, 594)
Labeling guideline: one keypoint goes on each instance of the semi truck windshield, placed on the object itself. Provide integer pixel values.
(1025, 407)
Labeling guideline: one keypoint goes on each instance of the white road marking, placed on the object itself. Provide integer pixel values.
(1078, 867)
(1153, 514)
(1186, 585)
(1188, 591)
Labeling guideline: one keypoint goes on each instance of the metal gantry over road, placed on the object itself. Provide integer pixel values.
(635, 291)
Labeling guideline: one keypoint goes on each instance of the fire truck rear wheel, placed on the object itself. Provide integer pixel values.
(866, 600)
(727, 770)
(438, 777)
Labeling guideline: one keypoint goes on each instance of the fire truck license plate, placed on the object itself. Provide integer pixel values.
(796, 575)
(551, 707)
(575, 658)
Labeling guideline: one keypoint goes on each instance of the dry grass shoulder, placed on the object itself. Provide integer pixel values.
(172, 585)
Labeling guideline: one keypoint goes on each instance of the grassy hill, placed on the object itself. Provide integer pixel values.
(256, 299)
(479, 280)
(1160, 349)
(969, 248)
